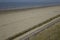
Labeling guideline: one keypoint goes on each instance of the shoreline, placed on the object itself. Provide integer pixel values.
(28, 8)
(16, 21)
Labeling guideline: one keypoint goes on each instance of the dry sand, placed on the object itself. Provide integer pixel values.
(13, 22)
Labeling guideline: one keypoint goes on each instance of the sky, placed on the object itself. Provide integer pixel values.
(26, 0)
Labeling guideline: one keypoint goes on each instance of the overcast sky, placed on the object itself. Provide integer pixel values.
(26, 0)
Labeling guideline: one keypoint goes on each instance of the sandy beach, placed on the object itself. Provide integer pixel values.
(16, 21)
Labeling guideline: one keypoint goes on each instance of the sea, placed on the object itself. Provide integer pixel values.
(21, 5)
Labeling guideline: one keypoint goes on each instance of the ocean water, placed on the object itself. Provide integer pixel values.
(10, 5)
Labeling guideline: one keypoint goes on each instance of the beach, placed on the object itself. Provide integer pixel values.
(15, 21)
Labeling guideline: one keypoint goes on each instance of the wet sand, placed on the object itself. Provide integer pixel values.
(13, 22)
